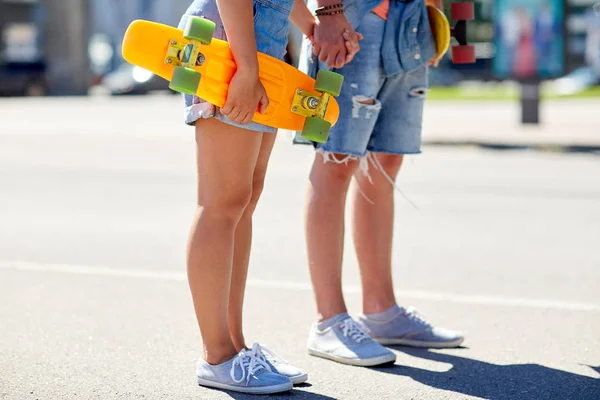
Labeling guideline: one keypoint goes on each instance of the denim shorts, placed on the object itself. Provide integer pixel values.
(271, 25)
(392, 123)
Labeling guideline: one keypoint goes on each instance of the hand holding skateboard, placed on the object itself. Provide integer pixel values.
(197, 64)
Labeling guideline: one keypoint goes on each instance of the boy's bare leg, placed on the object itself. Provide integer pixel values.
(373, 233)
(324, 226)
(226, 160)
(373, 224)
(336, 336)
(243, 243)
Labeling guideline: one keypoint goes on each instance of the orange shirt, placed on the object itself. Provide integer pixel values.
(382, 9)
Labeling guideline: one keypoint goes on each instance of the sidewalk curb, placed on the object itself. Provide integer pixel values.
(491, 145)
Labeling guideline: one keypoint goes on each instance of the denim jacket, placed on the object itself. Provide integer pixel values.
(407, 44)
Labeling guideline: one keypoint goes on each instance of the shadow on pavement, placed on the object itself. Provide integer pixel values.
(597, 369)
(295, 394)
(498, 382)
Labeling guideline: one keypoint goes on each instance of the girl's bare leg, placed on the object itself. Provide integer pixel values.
(243, 243)
(226, 160)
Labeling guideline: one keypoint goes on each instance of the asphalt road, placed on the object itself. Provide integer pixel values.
(96, 198)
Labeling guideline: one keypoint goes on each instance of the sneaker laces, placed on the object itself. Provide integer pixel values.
(351, 329)
(250, 362)
(413, 314)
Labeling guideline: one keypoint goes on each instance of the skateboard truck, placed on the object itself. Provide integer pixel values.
(180, 54)
(307, 104)
(185, 57)
(314, 106)
(459, 32)
(462, 12)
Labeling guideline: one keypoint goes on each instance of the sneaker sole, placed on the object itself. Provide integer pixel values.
(284, 387)
(369, 362)
(420, 343)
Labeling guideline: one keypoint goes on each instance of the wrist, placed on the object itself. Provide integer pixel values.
(329, 17)
(330, 14)
(306, 23)
(309, 28)
(333, 9)
(247, 64)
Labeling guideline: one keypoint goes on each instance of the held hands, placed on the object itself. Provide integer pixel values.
(334, 41)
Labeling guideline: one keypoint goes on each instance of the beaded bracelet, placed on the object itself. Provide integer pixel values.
(329, 7)
(324, 10)
(330, 13)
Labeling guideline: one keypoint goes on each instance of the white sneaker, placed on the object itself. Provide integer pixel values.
(407, 327)
(346, 342)
(247, 372)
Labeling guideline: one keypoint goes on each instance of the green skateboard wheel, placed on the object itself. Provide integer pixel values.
(185, 80)
(316, 129)
(329, 82)
(199, 29)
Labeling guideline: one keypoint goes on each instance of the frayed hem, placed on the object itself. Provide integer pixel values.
(329, 156)
(364, 166)
(371, 156)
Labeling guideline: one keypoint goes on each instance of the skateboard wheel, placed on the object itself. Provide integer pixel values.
(185, 80)
(329, 82)
(199, 29)
(463, 11)
(463, 54)
(316, 129)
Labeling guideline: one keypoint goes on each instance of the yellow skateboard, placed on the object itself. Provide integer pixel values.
(195, 63)
(461, 12)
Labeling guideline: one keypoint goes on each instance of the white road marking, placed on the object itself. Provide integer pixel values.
(547, 304)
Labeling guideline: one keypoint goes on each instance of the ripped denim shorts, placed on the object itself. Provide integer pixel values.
(377, 113)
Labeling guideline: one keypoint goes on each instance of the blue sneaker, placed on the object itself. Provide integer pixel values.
(247, 372)
(405, 326)
(281, 366)
(343, 340)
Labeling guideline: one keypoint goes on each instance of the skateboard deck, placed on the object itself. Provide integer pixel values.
(159, 48)
(442, 32)
(440, 28)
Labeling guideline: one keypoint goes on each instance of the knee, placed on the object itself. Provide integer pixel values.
(389, 163)
(227, 204)
(332, 171)
(257, 189)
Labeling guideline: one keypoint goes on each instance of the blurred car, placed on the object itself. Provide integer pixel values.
(128, 79)
(22, 63)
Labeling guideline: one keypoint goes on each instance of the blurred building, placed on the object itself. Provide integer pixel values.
(110, 18)
(581, 41)
(76, 42)
(66, 41)
(580, 22)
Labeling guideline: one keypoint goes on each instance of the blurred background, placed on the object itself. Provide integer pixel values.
(66, 47)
